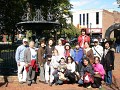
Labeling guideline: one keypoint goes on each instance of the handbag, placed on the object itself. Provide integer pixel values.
(88, 78)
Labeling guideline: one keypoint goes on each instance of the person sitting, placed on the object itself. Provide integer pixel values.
(70, 72)
(99, 73)
(86, 74)
(59, 73)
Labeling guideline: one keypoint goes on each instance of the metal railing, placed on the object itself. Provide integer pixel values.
(8, 64)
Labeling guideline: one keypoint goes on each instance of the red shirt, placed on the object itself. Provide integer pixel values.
(82, 39)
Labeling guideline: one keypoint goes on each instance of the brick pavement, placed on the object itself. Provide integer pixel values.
(14, 85)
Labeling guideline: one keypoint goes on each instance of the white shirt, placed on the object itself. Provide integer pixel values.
(99, 49)
(55, 61)
(61, 50)
(33, 53)
(71, 66)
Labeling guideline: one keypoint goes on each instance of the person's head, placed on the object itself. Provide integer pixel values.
(42, 43)
(60, 42)
(107, 44)
(25, 41)
(86, 61)
(55, 52)
(96, 42)
(31, 44)
(87, 44)
(69, 59)
(83, 32)
(77, 45)
(97, 59)
(67, 46)
(62, 60)
(50, 42)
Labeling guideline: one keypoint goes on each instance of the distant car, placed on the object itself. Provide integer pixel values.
(18, 42)
(73, 41)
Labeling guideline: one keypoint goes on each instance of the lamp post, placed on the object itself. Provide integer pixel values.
(90, 33)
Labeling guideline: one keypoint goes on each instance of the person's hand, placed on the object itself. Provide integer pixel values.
(76, 62)
(81, 77)
(96, 72)
(26, 65)
(18, 63)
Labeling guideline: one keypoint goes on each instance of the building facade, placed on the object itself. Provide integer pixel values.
(96, 22)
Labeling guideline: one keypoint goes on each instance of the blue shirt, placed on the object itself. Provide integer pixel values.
(19, 56)
(78, 55)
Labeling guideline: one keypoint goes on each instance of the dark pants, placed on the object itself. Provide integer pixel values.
(30, 75)
(108, 77)
(97, 82)
(57, 80)
(70, 76)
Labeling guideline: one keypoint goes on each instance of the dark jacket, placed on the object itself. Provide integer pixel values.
(85, 69)
(108, 60)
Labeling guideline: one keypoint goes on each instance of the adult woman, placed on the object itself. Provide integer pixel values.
(60, 48)
(89, 52)
(86, 73)
(54, 64)
(70, 73)
(99, 73)
(68, 51)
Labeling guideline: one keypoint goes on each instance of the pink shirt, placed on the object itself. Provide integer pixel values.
(99, 68)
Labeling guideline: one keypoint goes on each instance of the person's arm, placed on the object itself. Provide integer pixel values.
(17, 55)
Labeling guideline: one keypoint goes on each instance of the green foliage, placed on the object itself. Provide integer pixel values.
(71, 31)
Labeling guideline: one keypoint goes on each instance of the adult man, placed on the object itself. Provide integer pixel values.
(83, 38)
(97, 49)
(108, 62)
(30, 56)
(19, 56)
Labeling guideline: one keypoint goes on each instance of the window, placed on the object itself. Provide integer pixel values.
(87, 20)
(97, 17)
(83, 19)
(80, 19)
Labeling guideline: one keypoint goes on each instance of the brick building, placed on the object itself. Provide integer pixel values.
(96, 22)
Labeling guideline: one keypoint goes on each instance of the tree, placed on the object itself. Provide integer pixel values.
(71, 31)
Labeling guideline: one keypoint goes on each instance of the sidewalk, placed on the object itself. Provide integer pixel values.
(14, 85)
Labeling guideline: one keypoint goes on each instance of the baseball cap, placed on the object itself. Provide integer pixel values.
(95, 40)
(25, 40)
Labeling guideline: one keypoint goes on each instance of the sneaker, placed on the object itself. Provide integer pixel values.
(89, 87)
(21, 82)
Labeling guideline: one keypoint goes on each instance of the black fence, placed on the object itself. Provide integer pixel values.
(8, 64)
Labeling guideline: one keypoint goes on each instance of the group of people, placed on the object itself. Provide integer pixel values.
(59, 64)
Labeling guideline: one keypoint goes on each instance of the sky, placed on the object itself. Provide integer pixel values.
(94, 4)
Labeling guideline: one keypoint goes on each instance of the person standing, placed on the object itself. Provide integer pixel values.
(68, 51)
(19, 56)
(83, 38)
(30, 57)
(48, 53)
(60, 48)
(97, 49)
(108, 62)
(78, 52)
(41, 60)
(88, 52)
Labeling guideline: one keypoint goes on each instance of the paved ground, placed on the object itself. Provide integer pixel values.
(14, 85)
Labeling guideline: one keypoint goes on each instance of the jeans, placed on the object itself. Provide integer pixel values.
(42, 74)
(108, 77)
(80, 82)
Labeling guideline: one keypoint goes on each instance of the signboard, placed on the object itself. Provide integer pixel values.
(93, 30)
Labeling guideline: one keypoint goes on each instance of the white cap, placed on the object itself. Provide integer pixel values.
(95, 40)
(25, 40)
